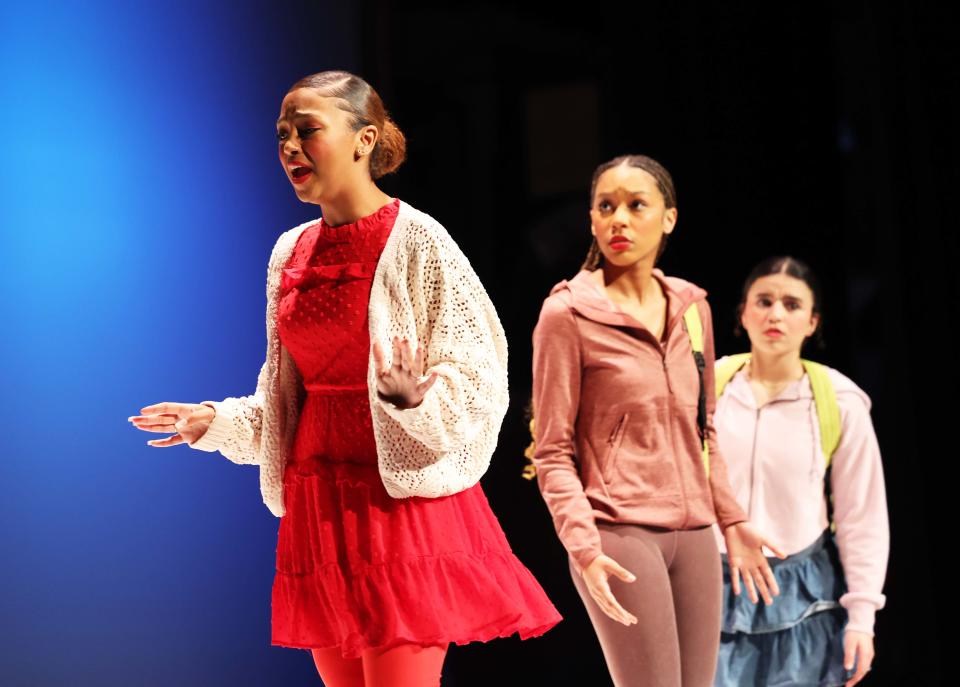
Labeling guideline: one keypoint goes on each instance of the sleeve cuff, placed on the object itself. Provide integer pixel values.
(861, 616)
(585, 558)
(411, 419)
(423, 422)
(404, 416)
(731, 520)
(218, 430)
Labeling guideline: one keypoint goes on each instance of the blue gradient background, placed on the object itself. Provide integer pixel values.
(140, 197)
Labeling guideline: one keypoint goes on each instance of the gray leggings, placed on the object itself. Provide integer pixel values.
(677, 601)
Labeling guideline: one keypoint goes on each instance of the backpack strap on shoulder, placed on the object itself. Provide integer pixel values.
(828, 412)
(828, 417)
(726, 368)
(691, 318)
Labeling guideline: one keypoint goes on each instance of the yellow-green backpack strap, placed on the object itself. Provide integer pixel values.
(828, 412)
(691, 318)
(726, 368)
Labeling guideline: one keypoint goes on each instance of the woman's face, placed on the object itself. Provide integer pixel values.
(778, 314)
(628, 216)
(316, 145)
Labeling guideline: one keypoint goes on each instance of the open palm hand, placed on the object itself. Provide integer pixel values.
(400, 382)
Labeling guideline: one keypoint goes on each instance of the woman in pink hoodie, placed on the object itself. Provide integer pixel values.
(768, 428)
(618, 449)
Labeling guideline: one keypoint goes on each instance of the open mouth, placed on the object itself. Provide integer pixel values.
(300, 172)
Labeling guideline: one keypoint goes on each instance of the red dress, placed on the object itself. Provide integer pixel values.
(357, 568)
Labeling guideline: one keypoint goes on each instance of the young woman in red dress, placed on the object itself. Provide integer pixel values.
(375, 586)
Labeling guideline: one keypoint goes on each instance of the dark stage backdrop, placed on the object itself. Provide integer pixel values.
(141, 195)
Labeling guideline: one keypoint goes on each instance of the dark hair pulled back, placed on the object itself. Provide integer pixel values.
(363, 104)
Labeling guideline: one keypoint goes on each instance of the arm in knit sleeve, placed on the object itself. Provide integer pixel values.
(725, 505)
(236, 428)
(860, 512)
(464, 344)
(557, 369)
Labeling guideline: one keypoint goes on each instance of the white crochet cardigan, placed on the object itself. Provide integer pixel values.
(424, 289)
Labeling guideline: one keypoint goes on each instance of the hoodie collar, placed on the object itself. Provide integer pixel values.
(740, 389)
(590, 300)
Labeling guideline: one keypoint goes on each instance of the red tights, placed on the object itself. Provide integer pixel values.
(407, 665)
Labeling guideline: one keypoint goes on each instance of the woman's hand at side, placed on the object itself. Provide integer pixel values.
(399, 382)
(596, 577)
(187, 421)
(857, 650)
(745, 556)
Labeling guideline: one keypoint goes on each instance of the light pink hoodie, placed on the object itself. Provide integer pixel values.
(776, 468)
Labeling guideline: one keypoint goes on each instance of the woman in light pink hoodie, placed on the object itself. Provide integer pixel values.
(769, 432)
(618, 448)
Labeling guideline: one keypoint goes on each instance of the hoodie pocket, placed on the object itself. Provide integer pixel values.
(613, 445)
(640, 464)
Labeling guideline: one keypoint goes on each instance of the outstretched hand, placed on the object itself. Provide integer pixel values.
(399, 382)
(745, 555)
(187, 421)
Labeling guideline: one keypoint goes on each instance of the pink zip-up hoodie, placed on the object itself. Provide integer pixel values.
(615, 413)
(777, 467)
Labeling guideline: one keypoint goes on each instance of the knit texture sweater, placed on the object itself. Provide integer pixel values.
(424, 289)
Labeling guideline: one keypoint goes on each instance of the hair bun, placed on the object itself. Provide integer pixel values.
(390, 151)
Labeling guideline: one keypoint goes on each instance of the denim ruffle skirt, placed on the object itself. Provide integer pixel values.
(798, 640)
